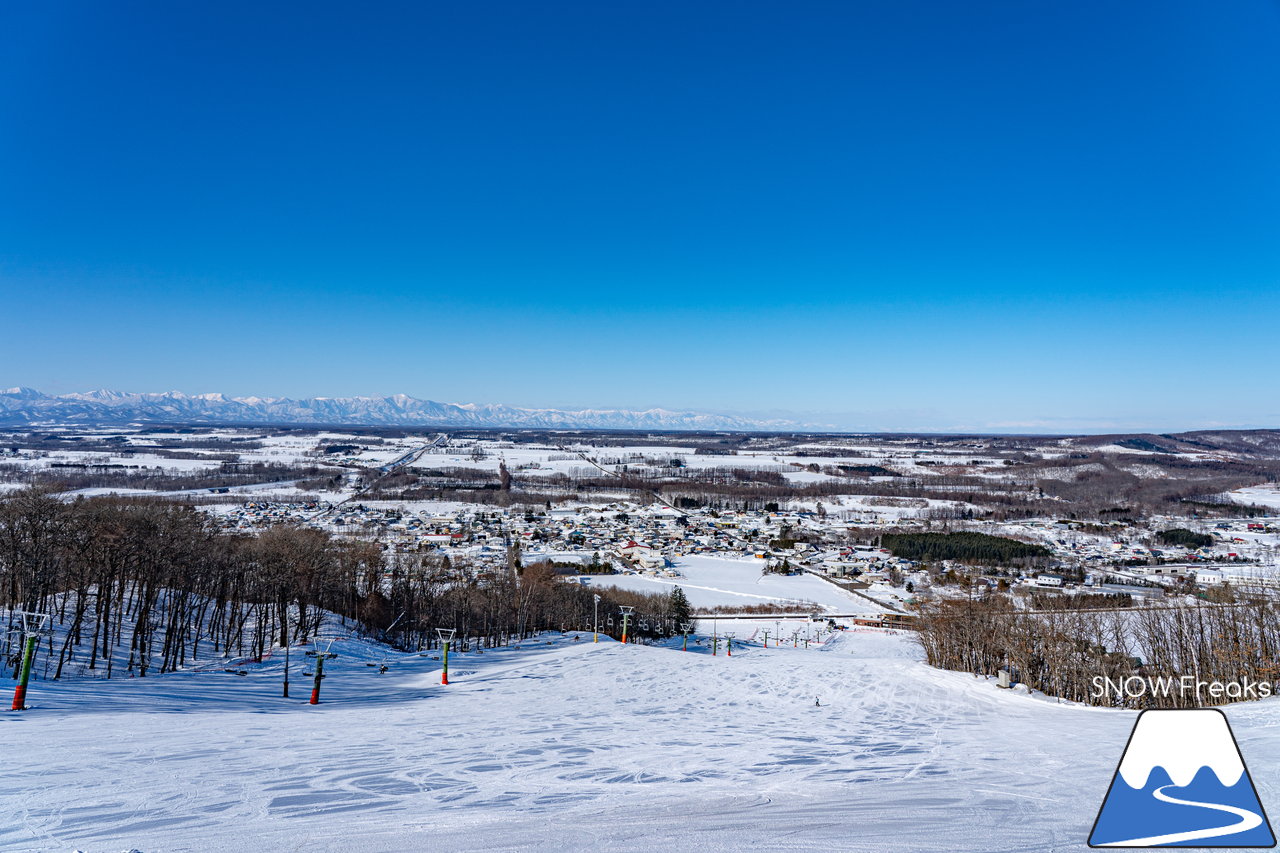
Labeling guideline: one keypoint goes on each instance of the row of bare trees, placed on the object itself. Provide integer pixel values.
(1090, 656)
(72, 476)
(494, 607)
(141, 586)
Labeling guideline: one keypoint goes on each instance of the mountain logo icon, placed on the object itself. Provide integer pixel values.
(1182, 783)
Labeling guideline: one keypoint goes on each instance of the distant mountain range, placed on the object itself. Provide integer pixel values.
(26, 406)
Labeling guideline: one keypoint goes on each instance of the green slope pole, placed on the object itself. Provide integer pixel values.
(445, 635)
(20, 695)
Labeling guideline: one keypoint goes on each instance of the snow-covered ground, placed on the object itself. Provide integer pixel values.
(1268, 495)
(715, 581)
(569, 745)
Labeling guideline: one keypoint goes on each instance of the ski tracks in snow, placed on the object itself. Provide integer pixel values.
(565, 746)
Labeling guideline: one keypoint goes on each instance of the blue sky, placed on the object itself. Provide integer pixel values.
(878, 215)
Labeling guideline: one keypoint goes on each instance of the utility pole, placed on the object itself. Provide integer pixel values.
(626, 611)
(320, 657)
(728, 644)
(596, 609)
(766, 639)
(31, 635)
(445, 635)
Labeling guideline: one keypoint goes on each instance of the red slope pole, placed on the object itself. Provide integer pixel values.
(315, 691)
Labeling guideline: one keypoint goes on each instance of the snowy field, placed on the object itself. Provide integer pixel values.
(569, 745)
(715, 581)
(1268, 495)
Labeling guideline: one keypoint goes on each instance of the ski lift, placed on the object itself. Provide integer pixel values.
(25, 624)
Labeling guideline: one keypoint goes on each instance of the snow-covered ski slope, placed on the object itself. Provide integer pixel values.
(715, 581)
(568, 745)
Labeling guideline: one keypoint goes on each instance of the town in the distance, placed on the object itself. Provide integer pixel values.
(433, 620)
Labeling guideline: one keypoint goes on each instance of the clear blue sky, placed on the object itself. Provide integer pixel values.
(924, 215)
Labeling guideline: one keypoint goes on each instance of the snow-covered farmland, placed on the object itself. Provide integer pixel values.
(1268, 495)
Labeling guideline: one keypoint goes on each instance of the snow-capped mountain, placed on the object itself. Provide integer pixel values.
(23, 406)
(1182, 742)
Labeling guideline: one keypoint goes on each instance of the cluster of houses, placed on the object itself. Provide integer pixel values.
(255, 515)
(623, 535)
(650, 539)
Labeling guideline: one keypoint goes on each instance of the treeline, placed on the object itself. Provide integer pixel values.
(496, 607)
(1104, 481)
(1184, 537)
(963, 547)
(794, 608)
(1067, 653)
(139, 586)
(72, 476)
(1079, 601)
